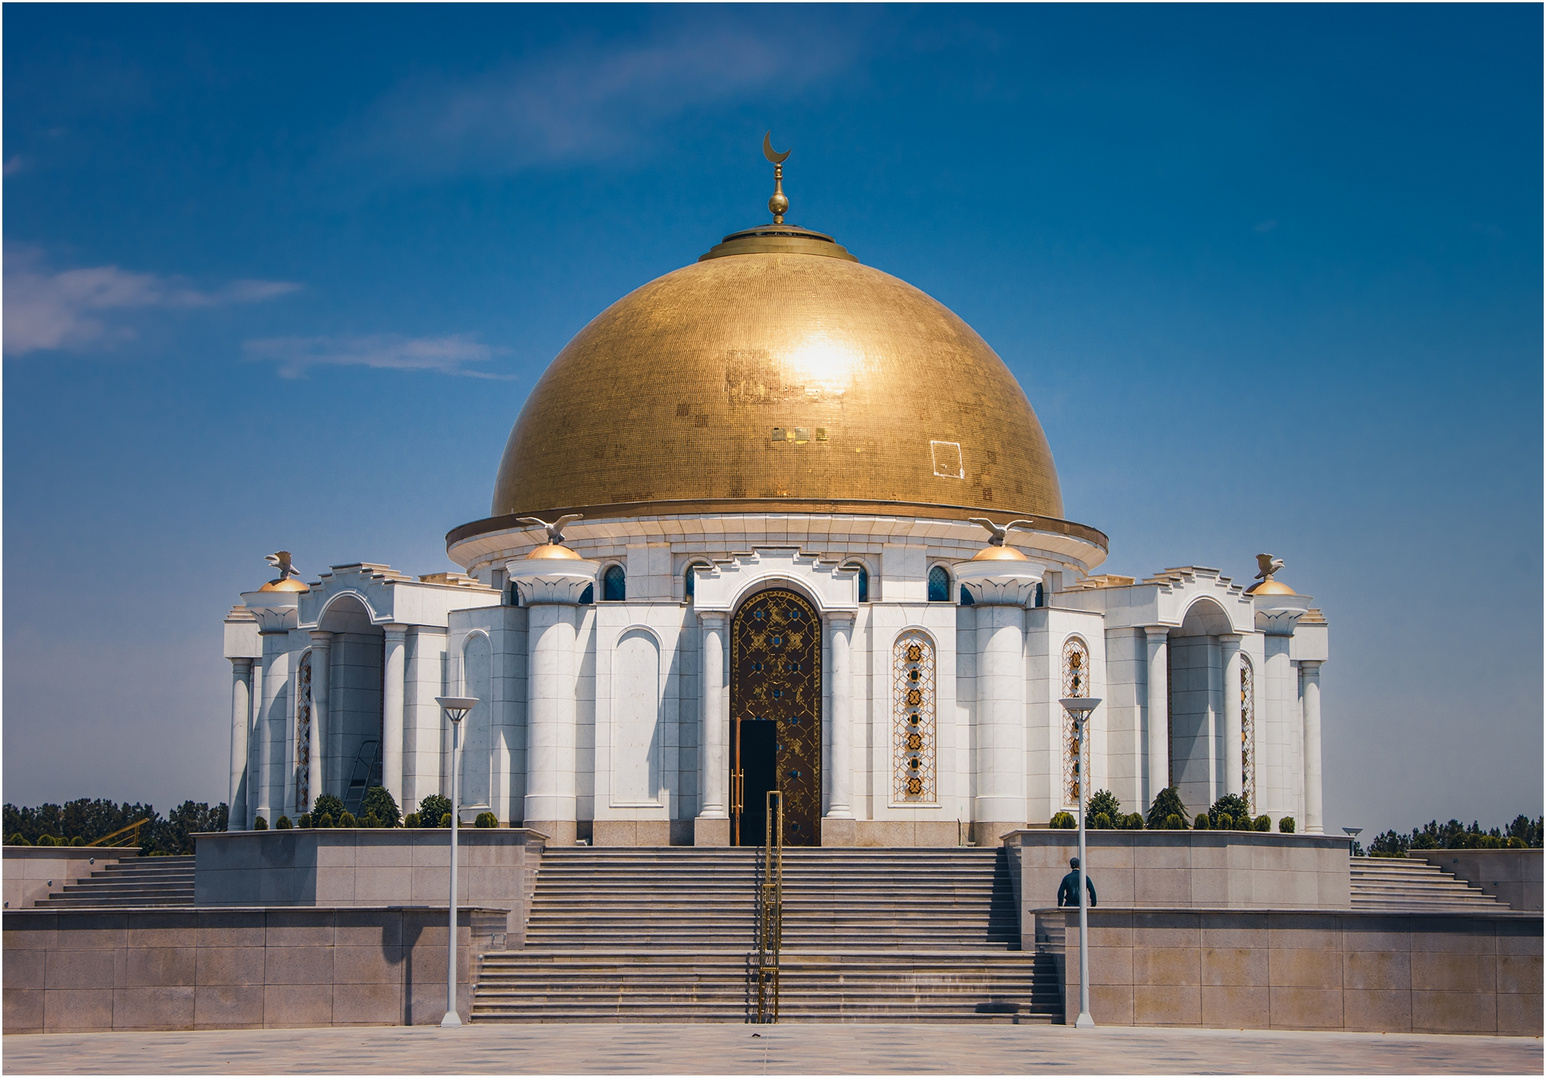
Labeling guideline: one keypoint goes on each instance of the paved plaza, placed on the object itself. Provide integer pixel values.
(787, 1049)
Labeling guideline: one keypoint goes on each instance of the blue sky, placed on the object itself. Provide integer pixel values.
(282, 276)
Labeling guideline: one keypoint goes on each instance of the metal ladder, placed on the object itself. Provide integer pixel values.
(366, 775)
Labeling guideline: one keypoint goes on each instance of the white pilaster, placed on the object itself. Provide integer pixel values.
(392, 672)
(840, 626)
(550, 750)
(273, 728)
(321, 669)
(1000, 742)
(241, 734)
(1234, 769)
(1157, 777)
(712, 721)
(1310, 679)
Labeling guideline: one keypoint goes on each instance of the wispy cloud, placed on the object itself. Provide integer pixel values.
(591, 103)
(451, 354)
(81, 308)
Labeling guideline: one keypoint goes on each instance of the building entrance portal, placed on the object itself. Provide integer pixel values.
(775, 709)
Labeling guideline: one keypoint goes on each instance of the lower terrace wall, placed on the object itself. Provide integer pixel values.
(1136, 868)
(1513, 875)
(31, 873)
(496, 868)
(1341, 971)
(186, 969)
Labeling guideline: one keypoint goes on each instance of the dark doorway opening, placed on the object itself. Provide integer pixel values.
(757, 767)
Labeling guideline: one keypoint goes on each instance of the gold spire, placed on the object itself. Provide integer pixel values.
(778, 205)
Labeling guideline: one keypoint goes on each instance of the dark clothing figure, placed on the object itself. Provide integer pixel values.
(1068, 892)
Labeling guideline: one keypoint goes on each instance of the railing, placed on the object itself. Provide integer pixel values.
(128, 836)
(770, 922)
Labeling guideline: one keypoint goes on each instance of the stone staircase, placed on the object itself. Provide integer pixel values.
(160, 881)
(669, 934)
(1410, 885)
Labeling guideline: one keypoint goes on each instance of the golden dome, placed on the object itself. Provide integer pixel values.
(285, 584)
(777, 368)
(1270, 588)
(553, 551)
(997, 552)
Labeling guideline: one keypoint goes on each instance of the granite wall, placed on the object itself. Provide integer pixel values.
(496, 868)
(1132, 868)
(186, 969)
(1455, 974)
(31, 873)
(1513, 875)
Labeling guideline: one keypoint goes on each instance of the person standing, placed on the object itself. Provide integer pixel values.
(1068, 891)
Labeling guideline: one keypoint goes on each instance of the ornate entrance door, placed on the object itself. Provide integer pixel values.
(775, 707)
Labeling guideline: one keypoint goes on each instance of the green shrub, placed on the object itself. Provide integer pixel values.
(1286, 824)
(433, 809)
(1101, 821)
(1167, 804)
(1132, 821)
(1062, 820)
(370, 821)
(1263, 823)
(1223, 821)
(445, 821)
(1173, 821)
(304, 822)
(486, 820)
(323, 820)
(1233, 805)
(327, 804)
(379, 801)
(1103, 802)
(411, 821)
(284, 823)
(347, 821)
(1201, 823)
(19, 840)
(260, 823)
(45, 841)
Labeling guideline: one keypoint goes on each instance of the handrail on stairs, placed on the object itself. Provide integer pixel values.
(770, 923)
(119, 839)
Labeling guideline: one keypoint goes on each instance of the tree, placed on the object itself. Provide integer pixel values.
(1103, 802)
(1167, 804)
(432, 810)
(1234, 806)
(379, 802)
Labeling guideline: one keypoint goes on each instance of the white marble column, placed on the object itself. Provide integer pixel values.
(1234, 769)
(1000, 744)
(321, 669)
(1158, 777)
(712, 721)
(392, 672)
(840, 627)
(241, 739)
(550, 749)
(1310, 679)
(273, 729)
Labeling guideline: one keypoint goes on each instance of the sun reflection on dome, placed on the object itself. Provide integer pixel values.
(823, 365)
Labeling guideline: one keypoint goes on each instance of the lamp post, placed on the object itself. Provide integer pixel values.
(456, 709)
(1352, 838)
(1080, 709)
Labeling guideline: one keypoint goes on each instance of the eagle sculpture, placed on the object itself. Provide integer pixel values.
(555, 529)
(1266, 566)
(998, 532)
(281, 561)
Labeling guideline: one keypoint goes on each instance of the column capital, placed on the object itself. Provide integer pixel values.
(842, 619)
(321, 639)
(395, 630)
(1231, 639)
(713, 619)
(1311, 667)
(241, 665)
(1157, 634)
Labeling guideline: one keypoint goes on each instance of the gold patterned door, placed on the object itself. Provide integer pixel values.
(775, 705)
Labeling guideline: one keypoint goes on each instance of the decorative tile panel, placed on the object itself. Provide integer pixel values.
(913, 719)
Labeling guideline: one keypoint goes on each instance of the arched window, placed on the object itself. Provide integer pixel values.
(939, 584)
(966, 598)
(690, 580)
(1248, 731)
(614, 583)
(589, 595)
(1076, 683)
(864, 580)
(912, 719)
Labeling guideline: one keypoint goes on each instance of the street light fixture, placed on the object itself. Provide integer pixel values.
(1352, 837)
(1080, 709)
(456, 709)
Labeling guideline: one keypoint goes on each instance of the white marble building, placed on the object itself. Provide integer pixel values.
(776, 417)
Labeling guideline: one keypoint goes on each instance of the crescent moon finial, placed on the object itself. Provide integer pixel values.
(778, 205)
(767, 150)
